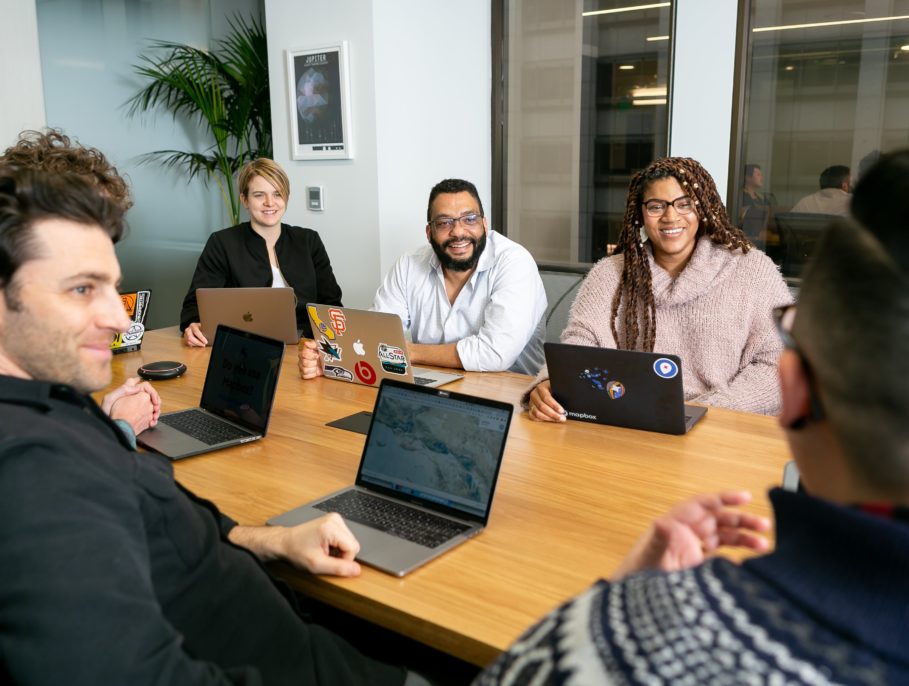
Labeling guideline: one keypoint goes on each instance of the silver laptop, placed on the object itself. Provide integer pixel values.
(236, 403)
(426, 478)
(626, 388)
(365, 347)
(270, 312)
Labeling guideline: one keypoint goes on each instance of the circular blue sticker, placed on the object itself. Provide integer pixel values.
(665, 368)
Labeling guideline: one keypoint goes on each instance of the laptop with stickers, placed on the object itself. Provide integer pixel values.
(136, 304)
(360, 346)
(236, 402)
(426, 479)
(626, 388)
(270, 312)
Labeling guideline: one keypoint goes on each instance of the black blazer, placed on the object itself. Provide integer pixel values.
(237, 257)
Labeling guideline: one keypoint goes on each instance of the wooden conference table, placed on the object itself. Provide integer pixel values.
(571, 499)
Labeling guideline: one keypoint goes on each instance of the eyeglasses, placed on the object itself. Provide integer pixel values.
(469, 220)
(784, 318)
(656, 208)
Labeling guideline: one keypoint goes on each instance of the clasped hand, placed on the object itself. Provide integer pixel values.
(135, 402)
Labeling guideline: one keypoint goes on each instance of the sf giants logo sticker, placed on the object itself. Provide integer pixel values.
(338, 320)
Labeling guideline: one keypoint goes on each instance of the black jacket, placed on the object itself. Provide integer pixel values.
(112, 573)
(237, 258)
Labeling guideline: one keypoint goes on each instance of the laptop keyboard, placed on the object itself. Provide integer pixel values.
(422, 380)
(203, 427)
(393, 518)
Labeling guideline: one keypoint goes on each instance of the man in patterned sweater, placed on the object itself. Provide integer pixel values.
(830, 604)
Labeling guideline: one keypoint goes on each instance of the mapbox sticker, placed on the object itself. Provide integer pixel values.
(665, 368)
(365, 372)
(596, 377)
(615, 390)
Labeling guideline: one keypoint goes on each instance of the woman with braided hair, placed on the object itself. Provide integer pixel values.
(683, 281)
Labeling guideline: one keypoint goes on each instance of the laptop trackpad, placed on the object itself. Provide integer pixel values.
(170, 442)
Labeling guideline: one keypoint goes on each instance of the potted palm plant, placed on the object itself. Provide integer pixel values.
(225, 90)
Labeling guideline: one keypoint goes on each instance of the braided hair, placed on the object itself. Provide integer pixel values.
(633, 299)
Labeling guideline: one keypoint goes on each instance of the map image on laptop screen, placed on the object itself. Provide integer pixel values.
(438, 449)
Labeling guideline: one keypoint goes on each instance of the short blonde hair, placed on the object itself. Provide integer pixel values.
(268, 170)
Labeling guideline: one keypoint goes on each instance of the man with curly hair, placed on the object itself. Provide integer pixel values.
(53, 151)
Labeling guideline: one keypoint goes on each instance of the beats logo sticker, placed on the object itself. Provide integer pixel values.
(365, 372)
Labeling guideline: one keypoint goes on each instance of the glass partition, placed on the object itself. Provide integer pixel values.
(586, 107)
(828, 93)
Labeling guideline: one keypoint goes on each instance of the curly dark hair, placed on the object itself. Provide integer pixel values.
(53, 151)
(634, 296)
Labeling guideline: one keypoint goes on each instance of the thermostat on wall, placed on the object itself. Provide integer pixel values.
(314, 198)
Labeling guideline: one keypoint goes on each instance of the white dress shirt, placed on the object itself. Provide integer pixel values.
(497, 318)
(833, 201)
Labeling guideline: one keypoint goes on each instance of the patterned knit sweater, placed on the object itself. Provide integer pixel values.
(716, 315)
(829, 606)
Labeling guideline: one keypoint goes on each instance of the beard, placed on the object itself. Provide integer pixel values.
(448, 262)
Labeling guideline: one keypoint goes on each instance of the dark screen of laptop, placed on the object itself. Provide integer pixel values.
(435, 448)
(241, 378)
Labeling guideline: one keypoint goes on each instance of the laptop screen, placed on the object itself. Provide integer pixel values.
(436, 447)
(242, 375)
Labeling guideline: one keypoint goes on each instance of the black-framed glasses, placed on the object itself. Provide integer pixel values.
(470, 220)
(657, 208)
(784, 318)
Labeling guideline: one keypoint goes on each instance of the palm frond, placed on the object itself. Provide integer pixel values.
(224, 90)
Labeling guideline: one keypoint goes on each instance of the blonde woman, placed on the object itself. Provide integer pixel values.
(262, 252)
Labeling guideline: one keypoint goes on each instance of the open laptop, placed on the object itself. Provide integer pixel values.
(365, 347)
(426, 477)
(270, 312)
(621, 387)
(236, 403)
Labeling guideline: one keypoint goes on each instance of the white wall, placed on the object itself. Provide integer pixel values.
(420, 93)
(703, 70)
(433, 87)
(20, 72)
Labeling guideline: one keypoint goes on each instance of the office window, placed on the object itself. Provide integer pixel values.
(828, 90)
(585, 107)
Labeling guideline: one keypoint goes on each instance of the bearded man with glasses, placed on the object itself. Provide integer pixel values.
(471, 299)
(829, 605)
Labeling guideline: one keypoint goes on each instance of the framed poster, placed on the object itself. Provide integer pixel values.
(319, 96)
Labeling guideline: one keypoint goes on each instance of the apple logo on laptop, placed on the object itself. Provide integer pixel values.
(248, 317)
(358, 348)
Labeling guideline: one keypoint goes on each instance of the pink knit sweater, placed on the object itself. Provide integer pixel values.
(716, 316)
